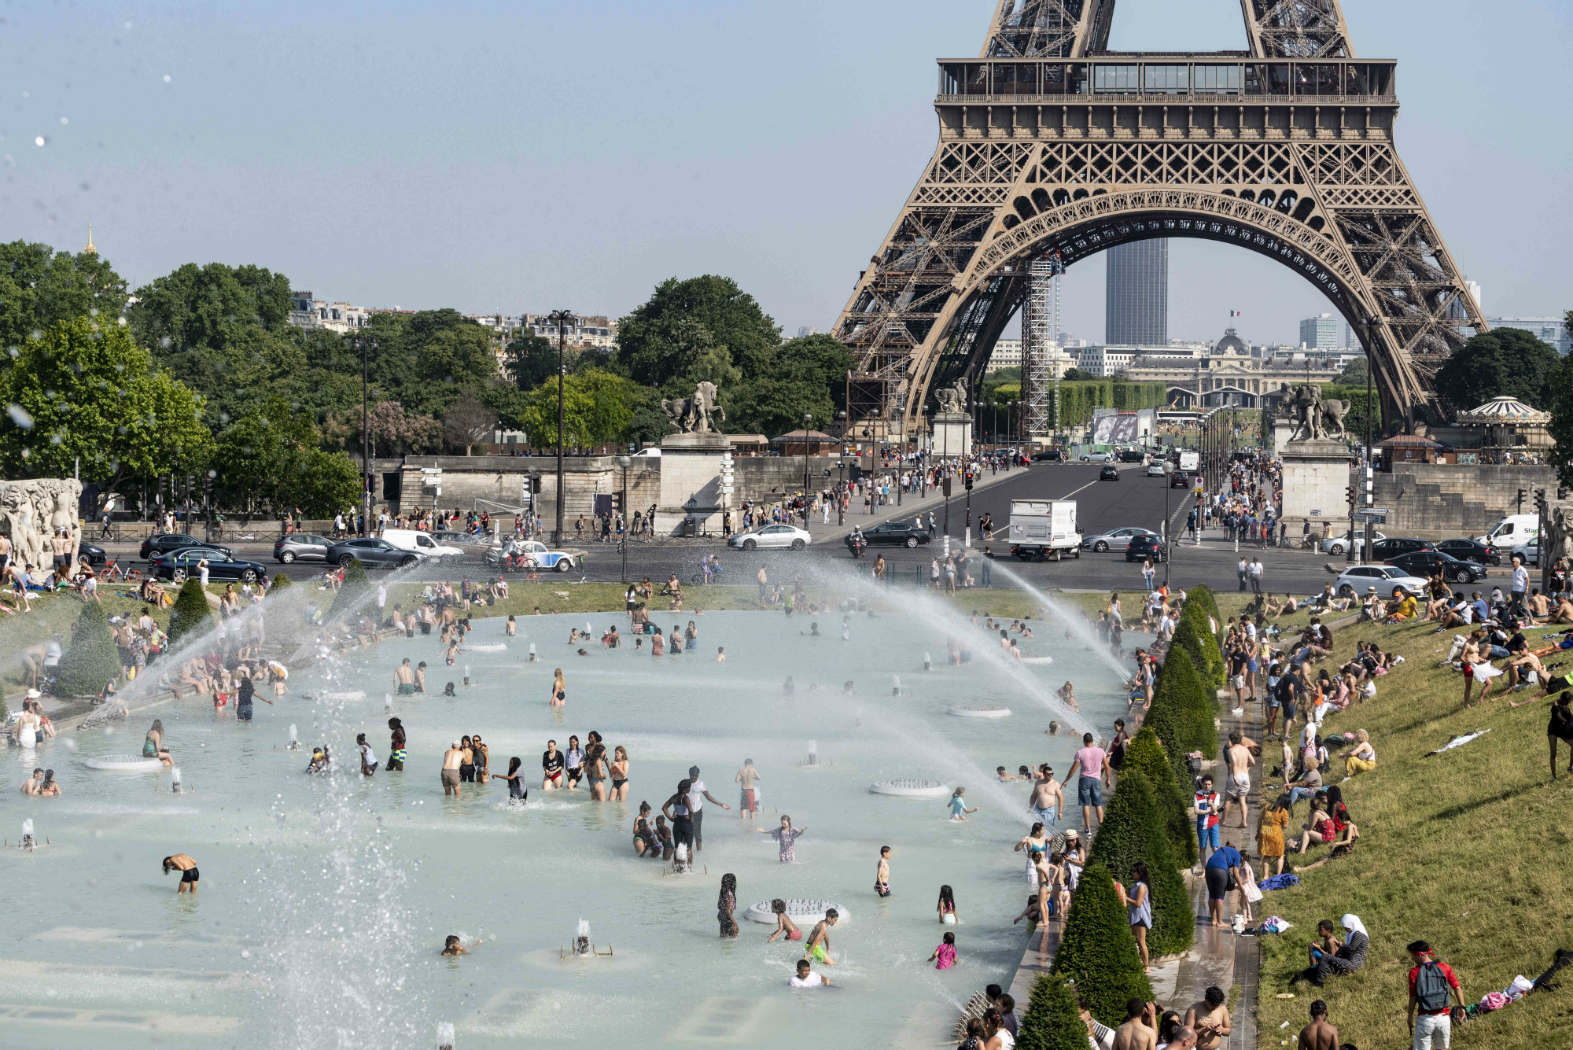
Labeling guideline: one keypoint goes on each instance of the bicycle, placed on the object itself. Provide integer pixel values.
(699, 579)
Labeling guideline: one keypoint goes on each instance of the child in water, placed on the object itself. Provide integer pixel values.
(947, 906)
(512, 628)
(784, 925)
(452, 946)
(882, 873)
(958, 807)
(786, 837)
(945, 953)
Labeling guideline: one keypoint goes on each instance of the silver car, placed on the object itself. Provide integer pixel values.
(777, 535)
(302, 546)
(1116, 540)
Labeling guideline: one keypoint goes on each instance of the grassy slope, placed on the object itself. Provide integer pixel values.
(1462, 849)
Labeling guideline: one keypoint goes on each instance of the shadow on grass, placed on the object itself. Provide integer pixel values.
(1501, 796)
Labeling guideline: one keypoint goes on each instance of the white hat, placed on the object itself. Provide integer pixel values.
(34, 694)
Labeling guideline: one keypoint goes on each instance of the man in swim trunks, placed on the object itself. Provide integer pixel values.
(1238, 788)
(745, 778)
(451, 760)
(1047, 797)
(552, 767)
(404, 679)
(188, 869)
(819, 941)
(882, 872)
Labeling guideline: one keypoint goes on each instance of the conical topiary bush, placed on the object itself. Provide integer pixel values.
(1172, 715)
(352, 590)
(1132, 831)
(1194, 634)
(191, 615)
(92, 660)
(1098, 951)
(1053, 1019)
(1147, 756)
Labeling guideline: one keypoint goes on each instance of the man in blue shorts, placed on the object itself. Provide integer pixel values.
(1092, 763)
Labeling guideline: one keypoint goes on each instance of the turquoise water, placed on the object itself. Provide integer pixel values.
(324, 901)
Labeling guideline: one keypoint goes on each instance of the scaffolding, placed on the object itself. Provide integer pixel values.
(1040, 333)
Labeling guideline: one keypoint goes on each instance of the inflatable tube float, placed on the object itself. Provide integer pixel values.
(356, 694)
(979, 711)
(1037, 660)
(494, 647)
(911, 788)
(799, 911)
(126, 764)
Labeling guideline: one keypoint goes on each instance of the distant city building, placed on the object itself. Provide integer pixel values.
(1230, 372)
(1105, 361)
(803, 333)
(1136, 300)
(1319, 333)
(1007, 354)
(586, 331)
(308, 312)
(1551, 330)
(1474, 290)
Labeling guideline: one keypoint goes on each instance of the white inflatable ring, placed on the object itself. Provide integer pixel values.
(799, 911)
(1037, 659)
(979, 711)
(126, 764)
(493, 647)
(911, 788)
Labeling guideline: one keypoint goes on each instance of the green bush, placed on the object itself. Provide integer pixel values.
(92, 660)
(191, 614)
(280, 583)
(1194, 635)
(1209, 601)
(1146, 756)
(1052, 1020)
(1132, 831)
(1175, 697)
(352, 590)
(1098, 951)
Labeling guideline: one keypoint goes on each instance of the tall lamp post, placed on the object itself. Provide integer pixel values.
(367, 344)
(1168, 544)
(807, 419)
(560, 318)
(625, 462)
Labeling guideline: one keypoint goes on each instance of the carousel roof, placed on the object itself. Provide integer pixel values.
(1505, 409)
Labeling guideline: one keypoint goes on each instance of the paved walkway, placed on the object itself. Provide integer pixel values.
(911, 505)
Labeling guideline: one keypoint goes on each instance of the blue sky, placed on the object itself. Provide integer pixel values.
(526, 156)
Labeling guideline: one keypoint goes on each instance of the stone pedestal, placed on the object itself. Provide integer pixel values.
(952, 434)
(691, 483)
(1316, 484)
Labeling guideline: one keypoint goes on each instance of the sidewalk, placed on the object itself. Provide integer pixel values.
(911, 505)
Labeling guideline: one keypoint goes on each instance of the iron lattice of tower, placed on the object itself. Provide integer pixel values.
(1050, 143)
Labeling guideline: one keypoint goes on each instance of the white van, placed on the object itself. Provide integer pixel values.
(415, 540)
(1512, 530)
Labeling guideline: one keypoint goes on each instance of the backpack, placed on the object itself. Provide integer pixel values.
(1431, 987)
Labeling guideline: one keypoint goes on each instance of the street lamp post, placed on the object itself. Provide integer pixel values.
(560, 318)
(367, 344)
(807, 419)
(625, 462)
(1168, 544)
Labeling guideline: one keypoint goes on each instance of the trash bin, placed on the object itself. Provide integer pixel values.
(690, 528)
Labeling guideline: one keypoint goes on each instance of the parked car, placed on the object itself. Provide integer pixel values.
(536, 553)
(1131, 455)
(1109, 473)
(777, 535)
(1427, 563)
(1387, 579)
(1340, 544)
(1528, 553)
(1392, 548)
(421, 543)
(164, 542)
(91, 553)
(1155, 469)
(1115, 540)
(372, 553)
(1179, 480)
(1049, 455)
(301, 546)
(178, 565)
(1146, 546)
(895, 534)
(1472, 550)
(1098, 457)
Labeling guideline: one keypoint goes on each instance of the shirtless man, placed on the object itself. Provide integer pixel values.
(818, 947)
(450, 769)
(404, 678)
(882, 872)
(1318, 1035)
(1047, 799)
(1239, 785)
(61, 545)
(188, 869)
(1139, 1032)
(1210, 1018)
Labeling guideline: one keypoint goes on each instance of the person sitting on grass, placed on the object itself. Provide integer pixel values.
(1329, 958)
(1402, 608)
(1361, 758)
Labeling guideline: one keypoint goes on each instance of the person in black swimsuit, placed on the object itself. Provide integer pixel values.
(551, 767)
(466, 761)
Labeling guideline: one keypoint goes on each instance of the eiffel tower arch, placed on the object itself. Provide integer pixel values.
(1050, 143)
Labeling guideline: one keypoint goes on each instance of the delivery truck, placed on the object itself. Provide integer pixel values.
(1044, 528)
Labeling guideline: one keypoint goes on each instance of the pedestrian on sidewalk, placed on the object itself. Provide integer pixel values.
(1243, 571)
(1256, 576)
(987, 575)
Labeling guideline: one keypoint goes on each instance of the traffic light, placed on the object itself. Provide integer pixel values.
(535, 485)
(1349, 494)
(969, 479)
(1521, 499)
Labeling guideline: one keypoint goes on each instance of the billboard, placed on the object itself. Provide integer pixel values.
(1112, 429)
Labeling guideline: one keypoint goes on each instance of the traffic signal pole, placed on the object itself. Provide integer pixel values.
(967, 541)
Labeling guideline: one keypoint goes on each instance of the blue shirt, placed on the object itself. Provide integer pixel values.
(1482, 610)
(1227, 857)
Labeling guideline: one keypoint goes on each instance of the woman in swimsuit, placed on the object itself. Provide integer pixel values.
(482, 758)
(645, 841)
(784, 925)
(657, 644)
(518, 790)
(153, 744)
(559, 688)
(726, 905)
(946, 906)
(466, 760)
(1035, 841)
(691, 636)
(595, 766)
(619, 775)
(573, 763)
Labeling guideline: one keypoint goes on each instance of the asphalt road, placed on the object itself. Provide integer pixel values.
(1134, 500)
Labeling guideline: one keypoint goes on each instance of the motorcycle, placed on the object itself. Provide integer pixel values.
(518, 562)
(858, 545)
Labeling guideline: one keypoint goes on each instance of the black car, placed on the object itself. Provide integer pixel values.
(183, 563)
(1049, 455)
(1179, 480)
(894, 534)
(1132, 455)
(1471, 550)
(1109, 473)
(371, 552)
(1384, 550)
(164, 542)
(1428, 563)
(1145, 545)
(91, 553)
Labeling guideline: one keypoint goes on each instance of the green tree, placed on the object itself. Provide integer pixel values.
(597, 408)
(694, 329)
(40, 288)
(531, 360)
(1561, 408)
(1175, 696)
(1146, 756)
(202, 308)
(1098, 951)
(1132, 831)
(83, 394)
(281, 583)
(1194, 635)
(270, 456)
(355, 587)
(93, 660)
(1354, 374)
(1504, 361)
(459, 356)
(1053, 1018)
(190, 616)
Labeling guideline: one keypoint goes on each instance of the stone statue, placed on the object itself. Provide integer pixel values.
(33, 512)
(1557, 533)
(692, 415)
(953, 399)
(1318, 418)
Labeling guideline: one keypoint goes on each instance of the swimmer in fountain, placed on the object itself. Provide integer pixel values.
(188, 872)
(448, 690)
(451, 946)
(404, 679)
(720, 655)
(786, 837)
(320, 760)
(784, 925)
(882, 872)
(452, 652)
(958, 806)
(819, 940)
(813, 630)
(807, 978)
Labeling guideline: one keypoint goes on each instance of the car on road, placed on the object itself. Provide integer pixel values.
(179, 564)
(421, 543)
(895, 534)
(1109, 473)
(1179, 480)
(1114, 540)
(1385, 549)
(164, 542)
(1049, 455)
(373, 553)
(91, 553)
(1428, 563)
(1147, 546)
(1131, 455)
(1528, 553)
(301, 546)
(776, 535)
(534, 551)
(1472, 550)
(1098, 457)
(1155, 469)
(1387, 579)
(1340, 544)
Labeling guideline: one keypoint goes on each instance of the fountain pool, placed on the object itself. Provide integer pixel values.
(324, 900)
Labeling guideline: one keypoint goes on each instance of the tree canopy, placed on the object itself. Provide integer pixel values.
(1504, 361)
(40, 287)
(698, 329)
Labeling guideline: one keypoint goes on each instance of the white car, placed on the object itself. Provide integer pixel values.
(1387, 579)
(1155, 470)
(422, 543)
(1340, 544)
(777, 535)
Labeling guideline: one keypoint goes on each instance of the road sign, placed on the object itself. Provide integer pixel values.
(1371, 514)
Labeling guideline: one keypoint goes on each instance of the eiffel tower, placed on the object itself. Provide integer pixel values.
(1050, 143)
